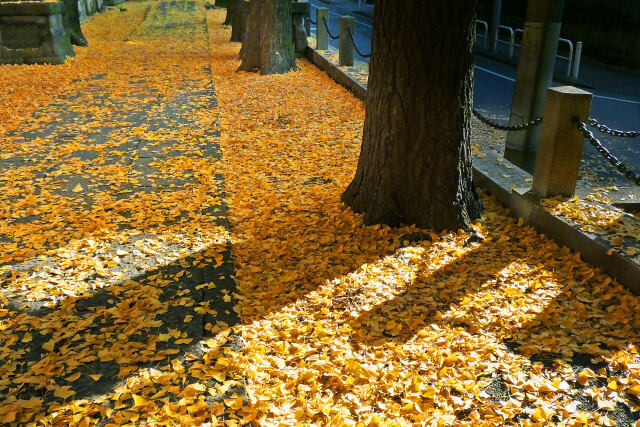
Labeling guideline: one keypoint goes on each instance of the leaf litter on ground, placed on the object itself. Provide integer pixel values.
(341, 323)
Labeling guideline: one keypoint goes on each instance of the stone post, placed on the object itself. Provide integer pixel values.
(560, 149)
(347, 23)
(307, 22)
(300, 10)
(533, 77)
(322, 37)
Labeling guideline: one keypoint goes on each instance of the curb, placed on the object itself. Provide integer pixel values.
(342, 78)
(511, 186)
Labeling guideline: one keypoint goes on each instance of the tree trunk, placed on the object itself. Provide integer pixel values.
(71, 18)
(268, 46)
(231, 10)
(239, 24)
(415, 160)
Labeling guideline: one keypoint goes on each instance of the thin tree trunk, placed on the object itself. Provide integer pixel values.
(268, 46)
(231, 10)
(415, 160)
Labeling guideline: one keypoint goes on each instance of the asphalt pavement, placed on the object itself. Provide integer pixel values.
(616, 95)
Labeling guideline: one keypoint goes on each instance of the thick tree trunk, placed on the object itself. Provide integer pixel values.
(71, 17)
(268, 46)
(415, 161)
(239, 24)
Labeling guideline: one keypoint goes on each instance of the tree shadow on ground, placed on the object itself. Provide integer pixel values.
(568, 315)
(398, 319)
(154, 321)
(582, 331)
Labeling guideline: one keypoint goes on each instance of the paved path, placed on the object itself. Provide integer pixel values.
(116, 266)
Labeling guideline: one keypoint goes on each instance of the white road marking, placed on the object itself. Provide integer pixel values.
(630, 101)
(495, 74)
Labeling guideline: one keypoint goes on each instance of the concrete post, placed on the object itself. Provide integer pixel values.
(307, 22)
(347, 23)
(560, 150)
(322, 38)
(533, 77)
(495, 21)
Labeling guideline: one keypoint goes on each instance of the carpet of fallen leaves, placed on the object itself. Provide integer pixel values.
(342, 324)
(110, 231)
(347, 324)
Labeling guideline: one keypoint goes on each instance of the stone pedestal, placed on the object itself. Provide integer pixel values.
(300, 12)
(83, 15)
(322, 36)
(92, 7)
(345, 52)
(560, 149)
(33, 33)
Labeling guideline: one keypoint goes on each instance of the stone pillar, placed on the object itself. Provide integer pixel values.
(533, 77)
(495, 21)
(82, 11)
(560, 150)
(322, 37)
(307, 22)
(347, 23)
(299, 13)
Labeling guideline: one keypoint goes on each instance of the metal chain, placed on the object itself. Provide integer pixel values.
(522, 126)
(605, 129)
(311, 20)
(623, 169)
(329, 31)
(355, 46)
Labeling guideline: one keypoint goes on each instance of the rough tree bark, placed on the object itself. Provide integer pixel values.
(415, 160)
(239, 24)
(268, 46)
(71, 17)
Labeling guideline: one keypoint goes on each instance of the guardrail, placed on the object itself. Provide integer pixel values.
(573, 57)
(484, 25)
(347, 47)
(512, 39)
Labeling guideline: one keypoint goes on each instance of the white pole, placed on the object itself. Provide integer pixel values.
(576, 60)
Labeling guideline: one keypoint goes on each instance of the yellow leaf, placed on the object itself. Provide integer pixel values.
(450, 360)
(188, 318)
(95, 377)
(585, 375)
(78, 188)
(73, 377)
(541, 414)
(64, 392)
(139, 400)
(27, 337)
(48, 345)
(164, 337)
